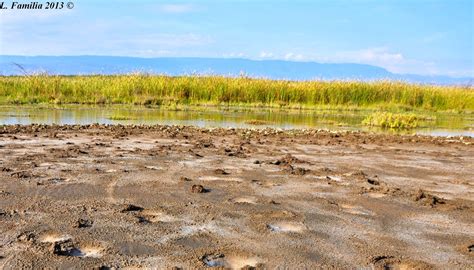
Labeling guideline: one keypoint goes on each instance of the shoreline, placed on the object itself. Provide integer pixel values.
(246, 132)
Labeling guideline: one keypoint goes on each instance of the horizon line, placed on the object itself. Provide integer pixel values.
(243, 58)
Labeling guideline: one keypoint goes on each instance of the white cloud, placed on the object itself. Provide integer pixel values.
(177, 8)
(290, 56)
(386, 58)
(383, 57)
(378, 55)
(266, 55)
(294, 57)
(234, 55)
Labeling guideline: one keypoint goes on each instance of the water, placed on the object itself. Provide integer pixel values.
(443, 125)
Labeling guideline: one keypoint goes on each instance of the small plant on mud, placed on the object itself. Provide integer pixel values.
(393, 120)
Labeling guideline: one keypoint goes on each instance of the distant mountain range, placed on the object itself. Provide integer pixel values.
(273, 69)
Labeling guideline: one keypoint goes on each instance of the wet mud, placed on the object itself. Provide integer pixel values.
(169, 197)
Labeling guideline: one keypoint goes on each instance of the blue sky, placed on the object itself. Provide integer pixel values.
(403, 36)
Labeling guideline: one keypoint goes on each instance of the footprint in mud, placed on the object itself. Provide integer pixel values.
(392, 263)
(232, 262)
(199, 189)
(244, 200)
(286, 226)
(67, 248)
(150, 216)
(92, 252)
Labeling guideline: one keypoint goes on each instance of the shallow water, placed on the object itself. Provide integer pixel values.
(444, 125)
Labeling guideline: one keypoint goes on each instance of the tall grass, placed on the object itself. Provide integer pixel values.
(194, 90)
(393, 120)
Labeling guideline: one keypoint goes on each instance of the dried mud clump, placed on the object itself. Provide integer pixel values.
(63, 248)
(22, 174)
(5, 169)
(295, 170)
(288, 159)
(427, 199)
(27, 237)
(359, 173)
(131, 208)
(470, 248)
(234, 152)
(4, 193)
(204, 144)
(84, 223)
(198, 189)
(373, 182)
(220, 172)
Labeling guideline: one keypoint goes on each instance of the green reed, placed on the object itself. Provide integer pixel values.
(152, 90)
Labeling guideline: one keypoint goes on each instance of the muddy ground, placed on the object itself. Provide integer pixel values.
(162, 197)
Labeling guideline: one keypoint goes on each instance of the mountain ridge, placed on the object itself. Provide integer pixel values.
(175, 66)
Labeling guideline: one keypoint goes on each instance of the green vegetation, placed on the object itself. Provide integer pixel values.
(121, 117)
(394, 121)
(257, 122)
(154, 90)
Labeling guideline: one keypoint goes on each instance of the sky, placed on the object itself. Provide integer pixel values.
(428, 37)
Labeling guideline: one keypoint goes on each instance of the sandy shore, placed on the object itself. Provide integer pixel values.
(162, 197)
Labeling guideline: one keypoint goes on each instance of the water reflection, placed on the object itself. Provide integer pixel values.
(444, 125)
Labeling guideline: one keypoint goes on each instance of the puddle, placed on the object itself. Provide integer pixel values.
(286, 227)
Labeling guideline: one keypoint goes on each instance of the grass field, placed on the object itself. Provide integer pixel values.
(142, 89)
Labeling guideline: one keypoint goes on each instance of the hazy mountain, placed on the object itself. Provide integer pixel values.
(275, 69)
